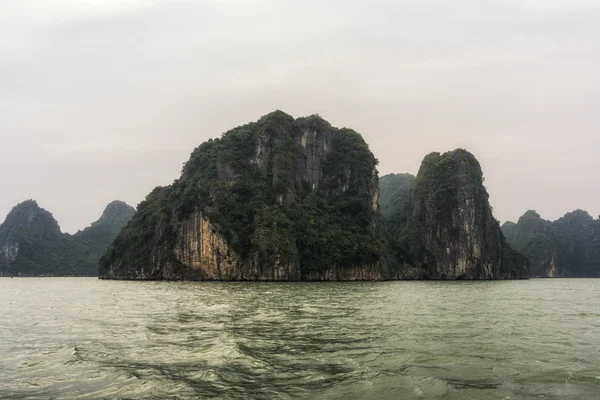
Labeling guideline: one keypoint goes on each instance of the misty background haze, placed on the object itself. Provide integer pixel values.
(104, 100)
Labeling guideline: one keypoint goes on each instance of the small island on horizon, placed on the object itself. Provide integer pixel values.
(32, 244)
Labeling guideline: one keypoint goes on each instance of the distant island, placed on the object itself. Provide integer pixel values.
(287, 199)
(566, 248)
(32, 244)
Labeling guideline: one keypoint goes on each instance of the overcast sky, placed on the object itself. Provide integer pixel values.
(105, 99)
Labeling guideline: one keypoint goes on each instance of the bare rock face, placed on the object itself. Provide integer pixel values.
(279, 199)
(199, 246)
(450, 230)
(210, 257)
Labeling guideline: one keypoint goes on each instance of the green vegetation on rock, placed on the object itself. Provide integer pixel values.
(568, 247)
(394, 199)
(297, 199)
(446, 228)
(32, 244)
(279, 191)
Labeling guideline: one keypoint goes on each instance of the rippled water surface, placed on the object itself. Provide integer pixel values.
(72, 338)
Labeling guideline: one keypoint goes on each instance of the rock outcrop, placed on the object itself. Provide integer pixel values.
(567, 247)
(449, 231)
(278, 199)
(289, 199)
(32, 244)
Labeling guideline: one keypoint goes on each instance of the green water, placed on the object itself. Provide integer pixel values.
(70, 338)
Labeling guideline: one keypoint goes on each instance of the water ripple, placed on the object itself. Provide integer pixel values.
(89, 339)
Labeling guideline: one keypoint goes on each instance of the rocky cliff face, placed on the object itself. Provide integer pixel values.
(450, 230)
(568, 247)
(277, 199)
(32, 244)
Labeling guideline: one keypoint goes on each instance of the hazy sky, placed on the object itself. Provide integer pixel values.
(105, 99)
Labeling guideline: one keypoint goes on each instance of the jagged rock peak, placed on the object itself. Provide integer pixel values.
(398, 176)
(531, 214)
(30, 215)
(116, 213)
(577, 215)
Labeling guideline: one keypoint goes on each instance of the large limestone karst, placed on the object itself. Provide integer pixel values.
(567, 247)
(446, 229)
(32, 244)
(276, 199)
(297, 199)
